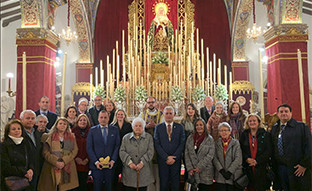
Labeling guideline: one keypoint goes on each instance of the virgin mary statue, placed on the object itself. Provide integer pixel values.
(161, 30)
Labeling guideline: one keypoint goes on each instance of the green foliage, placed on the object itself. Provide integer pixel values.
(99, 90)
(120, 94)
(198, 93)
(160, 58)
(176, 94)
(221, 93)
(140, 93)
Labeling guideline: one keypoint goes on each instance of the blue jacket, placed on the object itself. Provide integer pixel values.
(96, 147)
(166, 148)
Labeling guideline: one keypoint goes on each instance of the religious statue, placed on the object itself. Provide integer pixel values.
(161, 30)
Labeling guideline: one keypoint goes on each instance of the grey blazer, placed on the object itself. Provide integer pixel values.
(137, 150)
(203, 159)
(232, 161)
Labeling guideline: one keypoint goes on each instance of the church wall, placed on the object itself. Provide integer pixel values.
(307, 19)
(252, 47)
(72, 53)
(8, 55)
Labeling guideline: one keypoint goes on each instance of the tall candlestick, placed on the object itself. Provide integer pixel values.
(214, 71)
(63, 85)
(219, 71)
(303, 114)
(113, 64)
(118, 70)
(231, 85)
(225, 77)
(24, 82)
(96, 76)
(101, 74)
(210, 75)
(261, 87)
(91, 86)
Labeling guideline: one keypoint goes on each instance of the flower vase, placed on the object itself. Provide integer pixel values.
(120, 105)
(198, 104)
(176, 104)
(141, 105)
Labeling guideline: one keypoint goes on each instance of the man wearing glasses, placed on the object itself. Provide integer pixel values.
(95, 110)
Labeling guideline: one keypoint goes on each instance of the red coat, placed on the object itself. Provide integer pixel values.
(82, 148)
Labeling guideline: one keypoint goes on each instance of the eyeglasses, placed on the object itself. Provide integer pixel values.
(149, 102)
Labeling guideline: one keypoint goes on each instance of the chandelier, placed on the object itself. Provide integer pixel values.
(68, 35)
(255, 31)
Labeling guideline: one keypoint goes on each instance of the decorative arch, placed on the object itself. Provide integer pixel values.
(241, 20)
(80, 15)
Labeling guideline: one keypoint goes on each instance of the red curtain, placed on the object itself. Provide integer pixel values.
(112, 18)
(212, 20)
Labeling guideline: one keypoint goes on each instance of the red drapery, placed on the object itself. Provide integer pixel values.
(212, 20)
(112, 18)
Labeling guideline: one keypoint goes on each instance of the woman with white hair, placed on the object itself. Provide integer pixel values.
(216, 118)
(227, 160)
(136, 153)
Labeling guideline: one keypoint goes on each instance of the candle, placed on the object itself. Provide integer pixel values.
(101, 74)
(303, 114)
(24, 81)
(9, 84)
(210, 75)
(63, 85)
(225, 76)
(91, 84)
(219, 71)
(96, 76)
(230, 79)
(214, 70)
(113, 64)
(261, 87)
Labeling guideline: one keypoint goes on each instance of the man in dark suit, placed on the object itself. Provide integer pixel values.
(95, 110)
(44, 104)
(28, 119)
(207, 110)
(292, 151)
(169, 141)
(102, 141)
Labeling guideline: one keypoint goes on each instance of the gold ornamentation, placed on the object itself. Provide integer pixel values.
(286, 29)
(81, 88)
(243, 87)
(160, 72)
(39, 34)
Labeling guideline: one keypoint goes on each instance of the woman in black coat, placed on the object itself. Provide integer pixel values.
(256, 147)
(121, 121)
(15, 155)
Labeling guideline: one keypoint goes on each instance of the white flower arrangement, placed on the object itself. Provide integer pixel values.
(176, 94)
(120, 94)
(221, 93)
(140, 93)
(198, 93)
(99, 91)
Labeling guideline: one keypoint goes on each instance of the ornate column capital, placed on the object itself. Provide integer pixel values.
(287, 32)
(29, 35)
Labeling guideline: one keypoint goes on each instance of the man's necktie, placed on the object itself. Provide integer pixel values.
(280, 141)
(104, 133)
(169, 131)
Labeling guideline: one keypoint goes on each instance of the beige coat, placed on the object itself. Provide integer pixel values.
(47, 177)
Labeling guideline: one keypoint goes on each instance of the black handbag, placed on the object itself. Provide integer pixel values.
(241, 182)
(16, 183)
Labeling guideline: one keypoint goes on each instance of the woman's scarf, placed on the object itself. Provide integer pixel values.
(253, 148)
(198, 139)
(225, 144)
(69, 143)
(235, 124)
(17, 141)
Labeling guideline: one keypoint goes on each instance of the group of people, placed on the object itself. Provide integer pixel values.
(216, 147)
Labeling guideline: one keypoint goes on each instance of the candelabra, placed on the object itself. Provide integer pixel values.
(255, 31)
